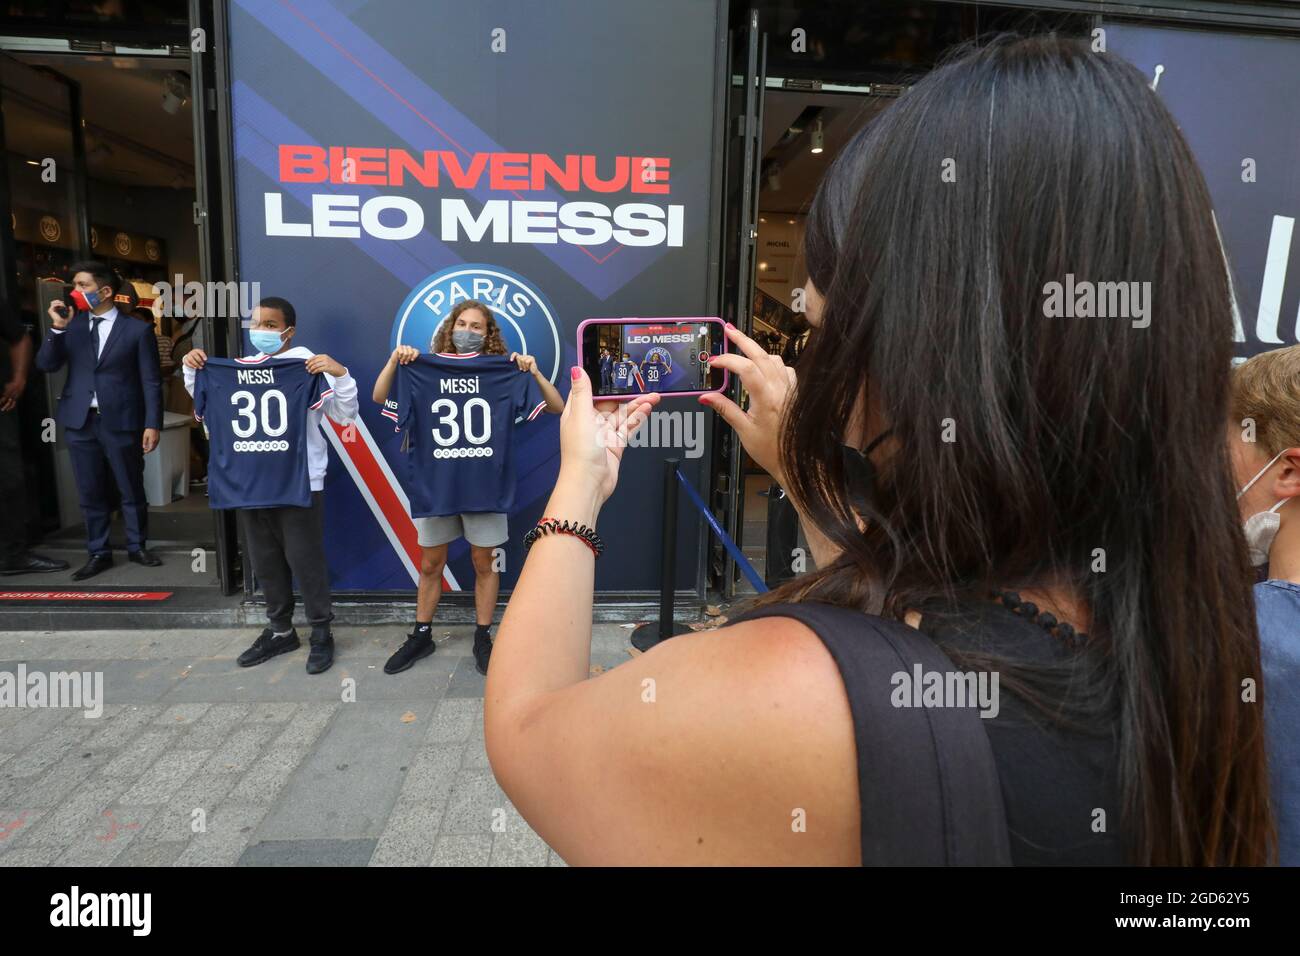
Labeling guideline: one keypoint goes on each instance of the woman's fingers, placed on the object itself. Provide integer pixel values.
(635, 413)
(766, 364)
(579, 389)
(632, 419)
(747, 346)
(737, 365)
(731, 413)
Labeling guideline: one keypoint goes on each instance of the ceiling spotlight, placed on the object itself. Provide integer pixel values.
(818, 139)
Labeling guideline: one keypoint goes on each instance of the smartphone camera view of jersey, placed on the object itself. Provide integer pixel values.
(459, 413)
(255, 413)
(628, 357)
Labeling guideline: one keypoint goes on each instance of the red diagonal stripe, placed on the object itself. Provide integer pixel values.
(363, 458)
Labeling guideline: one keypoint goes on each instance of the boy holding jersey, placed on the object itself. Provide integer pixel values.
(287, 542)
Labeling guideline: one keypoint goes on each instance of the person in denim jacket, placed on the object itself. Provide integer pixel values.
(1264, 438)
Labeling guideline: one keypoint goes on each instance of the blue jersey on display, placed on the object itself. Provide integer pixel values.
(459, 414)
(255, 411)
(623, 374)
(653, 374)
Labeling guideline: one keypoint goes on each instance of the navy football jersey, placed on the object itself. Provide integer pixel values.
(255, 411)
(459, 412)
(652, 374)
(623, 374)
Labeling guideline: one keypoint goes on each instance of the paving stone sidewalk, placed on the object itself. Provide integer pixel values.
(197, 762)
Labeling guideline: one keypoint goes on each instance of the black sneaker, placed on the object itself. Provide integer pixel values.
(482, 651)
(415, 648)
(321, 657)
(267, 646)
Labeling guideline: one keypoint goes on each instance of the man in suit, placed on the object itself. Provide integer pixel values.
(110, 408)
(606, 371)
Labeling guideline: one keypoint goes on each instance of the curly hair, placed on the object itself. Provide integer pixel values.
(493, 344)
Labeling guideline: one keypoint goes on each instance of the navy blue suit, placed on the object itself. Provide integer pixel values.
(105, 444)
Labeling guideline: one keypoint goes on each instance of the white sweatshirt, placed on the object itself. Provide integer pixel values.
(341, 406)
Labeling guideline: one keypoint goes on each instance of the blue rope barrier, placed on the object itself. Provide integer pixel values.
(745, 567)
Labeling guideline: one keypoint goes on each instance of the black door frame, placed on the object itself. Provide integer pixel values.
(214, 218)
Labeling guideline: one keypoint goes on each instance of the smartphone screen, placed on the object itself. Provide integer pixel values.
(625, 357)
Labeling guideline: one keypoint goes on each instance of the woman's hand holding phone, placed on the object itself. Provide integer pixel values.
(770, 383)
(593, 436)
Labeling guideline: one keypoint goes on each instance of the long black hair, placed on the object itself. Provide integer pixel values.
(1081, 454)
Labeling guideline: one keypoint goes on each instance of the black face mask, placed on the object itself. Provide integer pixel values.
(860, 473)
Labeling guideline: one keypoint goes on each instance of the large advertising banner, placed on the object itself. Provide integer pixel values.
(551, 159)
(1235, 98)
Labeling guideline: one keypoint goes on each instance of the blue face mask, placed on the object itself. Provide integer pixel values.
(266, 341)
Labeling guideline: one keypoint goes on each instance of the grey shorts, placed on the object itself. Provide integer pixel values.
(484, 529)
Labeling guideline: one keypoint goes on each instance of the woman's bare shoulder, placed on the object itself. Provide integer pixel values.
(730, 746)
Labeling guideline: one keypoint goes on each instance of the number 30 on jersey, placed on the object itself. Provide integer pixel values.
(473, 419)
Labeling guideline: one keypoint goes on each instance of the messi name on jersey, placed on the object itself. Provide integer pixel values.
(255, 411)
(459, 414)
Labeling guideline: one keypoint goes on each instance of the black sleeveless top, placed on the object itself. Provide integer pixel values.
(940, 785)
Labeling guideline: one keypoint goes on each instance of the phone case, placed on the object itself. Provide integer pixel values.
(726, 376)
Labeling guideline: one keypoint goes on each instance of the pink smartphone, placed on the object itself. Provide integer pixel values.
(625, 358)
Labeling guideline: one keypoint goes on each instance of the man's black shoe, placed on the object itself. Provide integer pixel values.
(267, 646)
(321, 656)
(98, 564)
(482, 651)
(410, 652)
(145, 557)
(32, 563)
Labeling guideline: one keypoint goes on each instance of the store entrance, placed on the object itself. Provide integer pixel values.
(802, 133)
(100, 162)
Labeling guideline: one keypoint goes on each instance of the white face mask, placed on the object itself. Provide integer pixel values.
(1262, 528)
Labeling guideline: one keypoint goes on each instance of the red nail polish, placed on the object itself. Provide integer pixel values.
(575, 372)
(730, 326)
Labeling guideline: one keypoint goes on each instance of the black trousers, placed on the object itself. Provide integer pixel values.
(102, 458)
(287, 543)
(13, 490)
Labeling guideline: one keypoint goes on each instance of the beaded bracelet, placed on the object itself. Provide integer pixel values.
(555, 526)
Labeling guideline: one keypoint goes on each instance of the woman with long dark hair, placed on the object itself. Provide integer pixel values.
(1041, 498)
